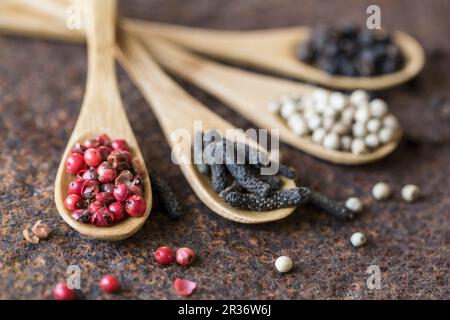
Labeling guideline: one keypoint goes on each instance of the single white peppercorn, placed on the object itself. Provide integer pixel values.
(329, 112)
(358, 239)
(359, 97)
(378, 108)
(347, 115)
(283, 264)
(314, 122)
(327, 123)
(337, 101)
(346, 143)
(287, 109)
(298, 125)
(318, 135)
(331, 141)
(386, 135)
(390, 121)
(358, 146)
(362, 114)
(340, 128)
(354, 204)
(381, 191)
(410, 192)
(359, 129)
(372, 141)
(373, 125)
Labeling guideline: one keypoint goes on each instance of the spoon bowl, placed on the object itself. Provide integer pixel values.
(178, 113)
(249, 93)
(274, 50)
(102, 112)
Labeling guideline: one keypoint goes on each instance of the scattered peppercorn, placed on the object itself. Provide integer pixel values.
(63, 292)
(184, 287)
(40, 229)
(354, 204)
(381, 191)
(410, 192)
(283, 264)
(358, 239)
(185, 256)
(350, 50)
(110, 283)
(164, 255)
(108, 187)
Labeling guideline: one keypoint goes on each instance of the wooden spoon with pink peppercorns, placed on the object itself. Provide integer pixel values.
(102, 112)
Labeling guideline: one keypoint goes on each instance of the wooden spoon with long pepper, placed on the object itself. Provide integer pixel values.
(102, 112)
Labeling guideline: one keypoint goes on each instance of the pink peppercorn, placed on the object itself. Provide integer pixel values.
(91, 143)
(75, 186)
(118, 210)
(73, 202)
(119, 144)
(103, 139)
(102, 218)
(89, 189)
(74, 163)
(63, 292)
(135, 206)
(92, 157)
(185, 256)
(110, 283)
(78, 148)
(121, 192)
(105, 198)
(104, 151)
(95, 206)
(135, 190)
(164, 255)
(106, 174)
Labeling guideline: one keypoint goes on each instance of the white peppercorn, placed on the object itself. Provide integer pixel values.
(381, 191)
(358, 239)
(359, 97)
(362, 114)
(337, 101)
(287, 109)
(410, 192)
(390, 121)
(346, 143)
(318, 135)
(298, 125)
(340, 128)
(358, 146)
(354, 204)
(378, 108)
(331, 141)
(283, 264)
(314, 122)
(327, 123)
(386, 135)
(359, 129)
(373, 125)
(329, 112)
(372, 141)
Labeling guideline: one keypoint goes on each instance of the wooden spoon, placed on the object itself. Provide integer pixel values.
(270, 49)
(274, 50)
(249, 94)
(176, 110)
(246, 92)
(101, 112)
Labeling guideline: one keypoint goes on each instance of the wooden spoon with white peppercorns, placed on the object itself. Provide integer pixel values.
(249, 93)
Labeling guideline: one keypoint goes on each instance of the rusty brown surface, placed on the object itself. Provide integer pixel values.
(41, 89)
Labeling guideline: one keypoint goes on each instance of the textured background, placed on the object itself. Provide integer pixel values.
(41, 89)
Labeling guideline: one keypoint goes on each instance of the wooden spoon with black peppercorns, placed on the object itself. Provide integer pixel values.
(102, 112)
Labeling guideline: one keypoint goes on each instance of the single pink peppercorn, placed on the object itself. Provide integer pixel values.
(74, 163)
(91, 143)
(81, 215)
(87, 174)
(102, 218)
(118, 210)
(121, 192)
(110, 283)
(93, 157)
(103, 139)
(185, 256)
(105, 198)
(73, 202)
(75, 186)
(135, 206)
(95, 206)
(184, 287)
(128, 155)
(63, 292)
(89, 189)
(78, 148)
(106, 173)
(164, 255)
(135, 190)
(104, 151)
(119, 144)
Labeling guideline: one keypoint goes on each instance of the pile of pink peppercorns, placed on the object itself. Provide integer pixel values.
(107, 187)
